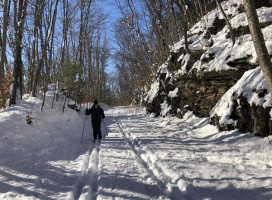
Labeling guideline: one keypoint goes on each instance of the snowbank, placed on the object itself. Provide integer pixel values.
(43, 159)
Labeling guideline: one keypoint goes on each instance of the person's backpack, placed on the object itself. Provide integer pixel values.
(87, 111)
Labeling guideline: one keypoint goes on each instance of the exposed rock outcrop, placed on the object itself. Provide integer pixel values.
(246, 106)
(197, 81)
(198, 91)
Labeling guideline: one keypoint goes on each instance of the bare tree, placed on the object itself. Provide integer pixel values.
(134, 58)
(32, 52)
(3, 60)
(183, 8)
(37, 30)
(50, 20)
(84, 18)
(227, 21)
(20, 8)
(258, 40)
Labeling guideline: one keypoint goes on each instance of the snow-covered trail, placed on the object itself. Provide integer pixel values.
(167, 158)
(115, 170)
(86, 186)
(190, 159)
(142, 157)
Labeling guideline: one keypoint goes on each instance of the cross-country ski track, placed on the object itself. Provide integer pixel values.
(131, 177)
(143, 157)
(85, 187)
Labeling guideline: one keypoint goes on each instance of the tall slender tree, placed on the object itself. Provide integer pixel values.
(20, 11)
(258, 40)
(3, 61)
(183, 8)
(227, 21)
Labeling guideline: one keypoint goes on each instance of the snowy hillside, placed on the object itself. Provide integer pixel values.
(142, 157)
(211, 80)
(220, 45)
(42, 159)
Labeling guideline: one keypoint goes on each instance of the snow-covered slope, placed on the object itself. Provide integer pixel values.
(220, 44)
(42, 159)
(214, 71)
(190, 159)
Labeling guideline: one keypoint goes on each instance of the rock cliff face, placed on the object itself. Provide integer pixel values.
(196, 92)
(246, 106)
(250, 118)
(197, 81)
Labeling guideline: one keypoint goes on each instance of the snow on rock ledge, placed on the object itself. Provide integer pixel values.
(196, 81)
(153, 92)
(246, 106)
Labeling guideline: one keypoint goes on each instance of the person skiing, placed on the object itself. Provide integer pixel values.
(97, 113)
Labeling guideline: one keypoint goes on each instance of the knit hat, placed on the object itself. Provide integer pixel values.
(95, 102)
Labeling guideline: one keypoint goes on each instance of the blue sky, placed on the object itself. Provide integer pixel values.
(114, 13)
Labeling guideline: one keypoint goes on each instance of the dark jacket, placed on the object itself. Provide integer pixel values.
(96, 113)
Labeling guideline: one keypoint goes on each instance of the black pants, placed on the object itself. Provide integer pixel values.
(96, 129)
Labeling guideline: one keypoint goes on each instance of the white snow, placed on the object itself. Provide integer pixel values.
(251, 80)
(191, 159)
(142, 157)
(153, 92)
(165, 108)
(222, 48)
(163, 69)
(173, 93)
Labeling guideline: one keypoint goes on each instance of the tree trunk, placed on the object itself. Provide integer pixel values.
(33, 56)
(55, 88)
(19, 14)
(227, 21)
(38, 24)
(64, 30)
(184, 23)
(3, 61)
(258, 40)
(4, 37)
(44, 64)
(80, 38)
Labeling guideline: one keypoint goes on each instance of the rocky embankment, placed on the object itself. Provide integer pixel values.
(195, 81)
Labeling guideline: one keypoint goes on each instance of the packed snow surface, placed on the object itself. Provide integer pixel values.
(141, 157)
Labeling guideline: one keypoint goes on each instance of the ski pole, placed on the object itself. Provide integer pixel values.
(83, 129)
(105, 127)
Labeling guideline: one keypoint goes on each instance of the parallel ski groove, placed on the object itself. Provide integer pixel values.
(93, 174)
(82, 177)
(162, 184)
(86, 186)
